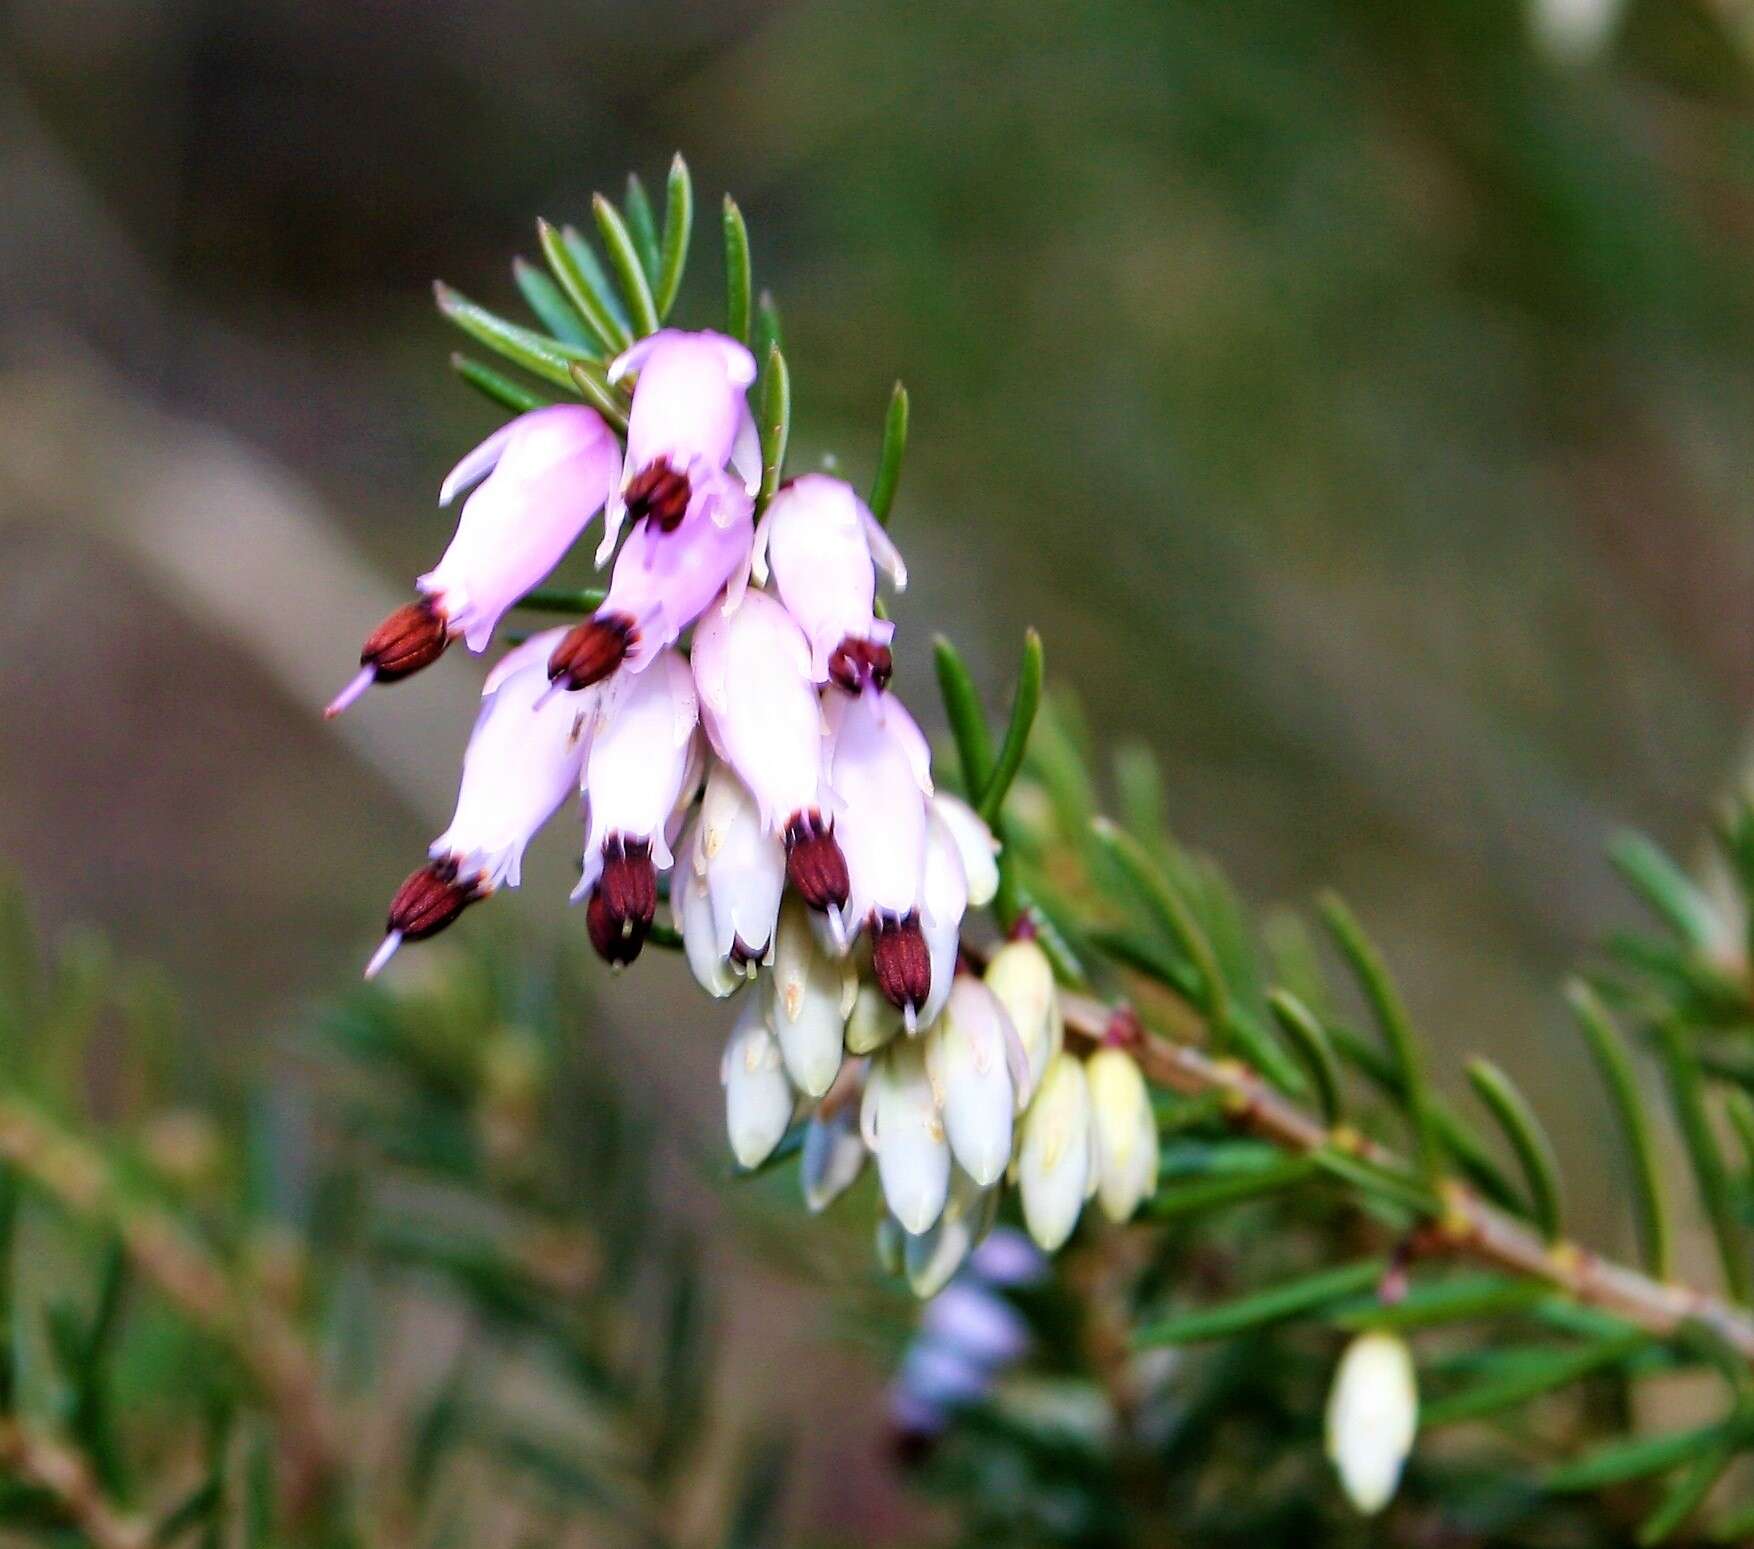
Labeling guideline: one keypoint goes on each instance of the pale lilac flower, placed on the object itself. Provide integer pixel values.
(758, 1098)
(832, 1157)
(760, 709)
(975, 1064)
(1126, 1132)
(690, 417)
(1054, 1161)
(1372, 1418)
(522, 763)
(900, 1122)
(881, 778)
(643, 768)
(542, 478)
(943, 902)
(819, 539)
(664, 579)
(812, 994)
(974, 843)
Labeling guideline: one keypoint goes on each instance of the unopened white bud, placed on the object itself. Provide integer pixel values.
(1023, 979)
(930, 1259)
(1125, 1130)
(1053, 1166)
(872, 1022)
(812, 995)
(901, 1124)
(833, 1157)
(758, 1098)
(972, 1057)
(1373, 1414)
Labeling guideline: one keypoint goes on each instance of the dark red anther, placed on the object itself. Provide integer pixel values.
(431, 898)
(814, 863)
(855, 662)
(901, 961)
(412, 637)
(1123, 1030)
(615, 943)
(590, 651)
(658, 493)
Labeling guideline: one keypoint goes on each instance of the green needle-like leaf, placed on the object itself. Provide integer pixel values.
(1171, 914)
(968, 721)
(776, 425)
(1534, 1151)
(1687, 1492)
(1468, 1298)
(550, 359)
(738, 282)
(1637, 1458)
(1025, 701)
(1687, 1090)
(678, 228)
(642, 226)
(1304, 1030)
(562, 599)
(499, 389)
(1396, 1027)
(558, 315)
(769, 335)
(1528, 1381)
(624, 258)
(1615, 1063)
(1666, 890)
(586, 290)
(1211, 1193)
(1292, 1299)
(593, 383)
(889, 460)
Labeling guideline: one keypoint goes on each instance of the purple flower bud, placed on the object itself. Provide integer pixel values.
(819, 540)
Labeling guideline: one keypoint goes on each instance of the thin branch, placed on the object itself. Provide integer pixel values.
(65, 1474)
(1468, 1224)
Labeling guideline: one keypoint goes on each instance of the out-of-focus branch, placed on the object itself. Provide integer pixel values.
(64, 1474)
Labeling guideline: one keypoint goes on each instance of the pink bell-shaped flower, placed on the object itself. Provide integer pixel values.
(881, 780)
(820, 540)
(541, 480)
(522, 762)
(760, 708)
(663, 580)
(643, 768)
(690, 417)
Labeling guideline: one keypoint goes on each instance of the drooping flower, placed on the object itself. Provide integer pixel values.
(872, 1022)
(664, 580)
(642, 769)
(1053, 1165)
(522, 763)
(832, 1157)
(1023, 979)
(689, 418)
(943, 902)
(812, 995)
(542, 478)
(760, 710)
(820, 540)
(691, 912)
(900, 1122)
(881, 778)
(758, 1098)
(1373, 1416)
(975, 844)
(975, 1062)
(1125, 1130)
(729, 884)
(930, 1259)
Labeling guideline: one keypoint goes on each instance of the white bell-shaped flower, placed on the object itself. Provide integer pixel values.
(691, 912)
(943, 902)
(1054, 1162)
(833, 1156)
(1126, 1132)
(872, 1022)
(974, 1061)
(900, 1122)
(975, 844)
(743, 865)
(758, 1098)
(812, 994)
(1373, 1416)
(930, 1259)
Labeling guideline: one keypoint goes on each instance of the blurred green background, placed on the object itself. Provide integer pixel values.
(1355, 392)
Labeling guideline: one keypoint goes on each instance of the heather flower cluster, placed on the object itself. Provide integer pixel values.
(727, 720)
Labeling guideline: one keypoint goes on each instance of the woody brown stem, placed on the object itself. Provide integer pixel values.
(63, 1473)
